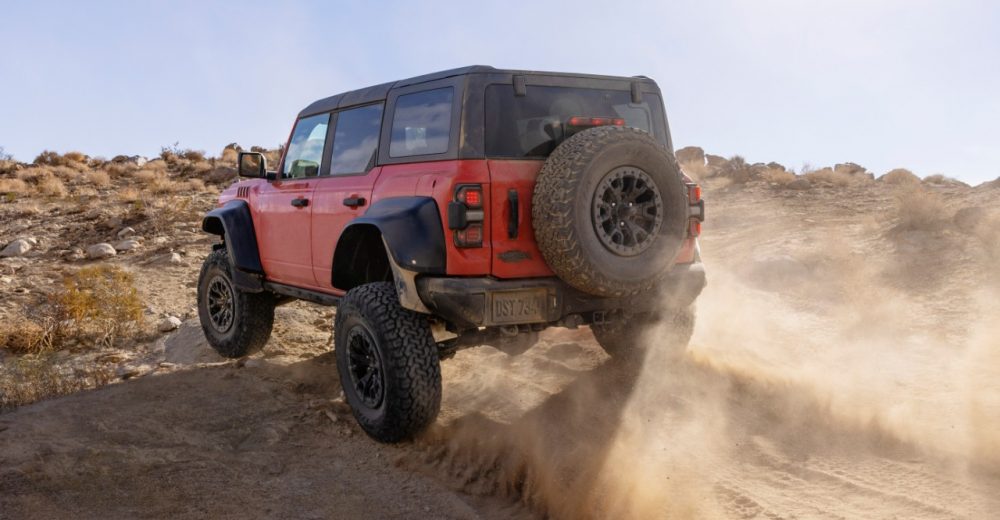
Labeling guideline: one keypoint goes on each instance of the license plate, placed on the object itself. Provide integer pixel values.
(525, 306)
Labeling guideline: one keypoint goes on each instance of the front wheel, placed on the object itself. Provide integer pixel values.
(388, 363)
(236, 323)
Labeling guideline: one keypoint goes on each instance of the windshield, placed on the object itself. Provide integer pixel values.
(534, 124)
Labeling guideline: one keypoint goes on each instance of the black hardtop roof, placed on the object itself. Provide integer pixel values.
(379, 92)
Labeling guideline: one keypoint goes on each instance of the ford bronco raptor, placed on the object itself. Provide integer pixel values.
(474, 206)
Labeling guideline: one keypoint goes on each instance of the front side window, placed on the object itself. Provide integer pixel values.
(421, 123)
(356, 140)
(534, 124)
(305, 151)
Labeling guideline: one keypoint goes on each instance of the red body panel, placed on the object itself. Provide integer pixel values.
(516, 257)
(330, 216)
(284, 231)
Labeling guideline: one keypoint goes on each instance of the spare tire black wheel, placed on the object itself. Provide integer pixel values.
(610, 211)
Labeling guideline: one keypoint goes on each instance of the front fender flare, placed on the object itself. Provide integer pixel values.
(233, 222)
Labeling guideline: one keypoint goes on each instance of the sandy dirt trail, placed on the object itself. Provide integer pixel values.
(840, 368)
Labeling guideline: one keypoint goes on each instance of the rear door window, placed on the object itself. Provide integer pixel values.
(534, 124)
(355, 140)
(305, 150)
(421, 123)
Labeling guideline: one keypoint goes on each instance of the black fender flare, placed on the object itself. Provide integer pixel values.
(411, 228)
(233, 222)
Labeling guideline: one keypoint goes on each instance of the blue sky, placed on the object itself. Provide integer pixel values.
(884, 83)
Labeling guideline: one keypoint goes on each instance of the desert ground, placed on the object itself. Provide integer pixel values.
(845, 364)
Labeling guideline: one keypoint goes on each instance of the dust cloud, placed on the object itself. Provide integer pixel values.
(844, 369)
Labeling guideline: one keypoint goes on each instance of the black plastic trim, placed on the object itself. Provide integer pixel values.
(302, 294)
(412, 230)
(233, 222)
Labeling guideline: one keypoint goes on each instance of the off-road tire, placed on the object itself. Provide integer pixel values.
(407, 355)
(252, 313)
(628, 339)
(563, 207)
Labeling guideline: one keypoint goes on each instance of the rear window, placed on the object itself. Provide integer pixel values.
(421, 123)
(533, 125)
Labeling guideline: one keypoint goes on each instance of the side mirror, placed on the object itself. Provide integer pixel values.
(251, 164)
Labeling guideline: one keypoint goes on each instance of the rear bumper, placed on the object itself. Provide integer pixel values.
(489, 302)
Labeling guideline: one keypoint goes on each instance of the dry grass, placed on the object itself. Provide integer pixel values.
(777, 176)
(229, 156)
(10, 189)
(97, 305)
(900, 177)
(695, 169)
(27, 380)
(98, 178)
(920, 210)
(51, 186)
(831, 177)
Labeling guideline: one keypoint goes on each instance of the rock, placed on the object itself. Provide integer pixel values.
(168, 324)
(188, 346)
(127, 245)
(126, 232)
(6, 279)
(74, 254)
(799, 184)
(160, 240)
(16, 248)
(168, 259)
(100, 251)
(715, 161)
(850, 169)
(32, 240)
(776, 166)
(690, 154)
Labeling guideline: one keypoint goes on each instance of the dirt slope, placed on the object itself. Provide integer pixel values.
(844, 365)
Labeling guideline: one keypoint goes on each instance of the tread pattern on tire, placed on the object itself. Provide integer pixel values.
(254, 316)
(553, 208)
(409, 357)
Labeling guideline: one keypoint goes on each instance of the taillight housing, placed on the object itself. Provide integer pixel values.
(696, 210)
(466, 215)
(595, 121)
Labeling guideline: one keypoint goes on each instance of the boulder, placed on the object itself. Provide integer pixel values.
(100, 251)
(967, 219)
(168, 324)
(715, 161)
(126, 232)
(188, 346)
(168, 259)
(16, 248)
(127, 245)
(776, 166)
(690, 154)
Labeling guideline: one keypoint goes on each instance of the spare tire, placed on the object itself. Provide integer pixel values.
(610, 211)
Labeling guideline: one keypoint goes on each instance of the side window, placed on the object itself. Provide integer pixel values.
(305, 151)
(421, 123)
(356, 140)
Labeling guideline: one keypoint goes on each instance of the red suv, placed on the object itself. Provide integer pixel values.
(473, 206)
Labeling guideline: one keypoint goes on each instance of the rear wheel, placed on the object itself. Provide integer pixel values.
(236, 323)
(388, 363)
(629, 338)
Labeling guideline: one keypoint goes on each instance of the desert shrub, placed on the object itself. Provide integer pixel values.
(900, 177)
(120, 169)
(157, 182)
(221, 175)
(4, 156)
(193, 185)
(98, 178)
(27, 380)
(75, 160)
(838, 178)
(29, 335)
(11, 188)
(777, 176)
(229, 156)
(193, 155)
(920, 210)
(128, 195)
(735, 169)
(99, 303)
(50, 186)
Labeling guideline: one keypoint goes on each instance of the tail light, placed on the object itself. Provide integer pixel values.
(465, 215)
(696, 210)
(595, 121)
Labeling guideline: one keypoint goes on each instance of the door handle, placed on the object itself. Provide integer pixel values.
(300, 203)
(353, 202)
